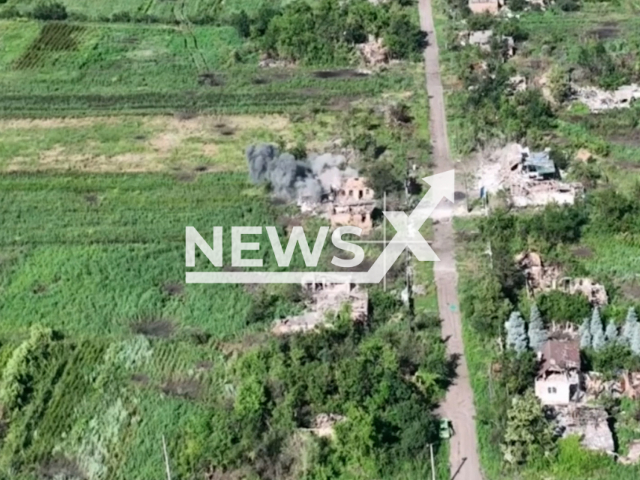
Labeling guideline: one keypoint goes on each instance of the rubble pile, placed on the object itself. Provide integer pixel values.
(323, 424)
(589, 423)
(373, 52)
(529, 178)
(543, 278)
(599, 100)
(325, 298)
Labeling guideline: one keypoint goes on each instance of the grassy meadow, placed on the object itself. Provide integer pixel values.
(56, 69)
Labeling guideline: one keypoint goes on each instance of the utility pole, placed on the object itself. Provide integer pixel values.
(407, 256)
(433, 464)
(166, 458)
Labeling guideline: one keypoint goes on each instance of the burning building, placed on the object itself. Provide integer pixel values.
(353, 204)
(322, 184)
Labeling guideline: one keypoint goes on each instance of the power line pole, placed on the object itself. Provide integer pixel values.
(166, 458)
(433, 464)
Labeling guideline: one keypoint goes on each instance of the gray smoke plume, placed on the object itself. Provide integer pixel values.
(291, 179)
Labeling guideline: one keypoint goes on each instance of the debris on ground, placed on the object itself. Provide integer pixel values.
(590, 423)
(325, 298)
(518, 83)
(599, 100)
(583, 155)
(373, 52)
(529, 178)
(323, 424)
(634, 453)
(543, 278)
(483, 38)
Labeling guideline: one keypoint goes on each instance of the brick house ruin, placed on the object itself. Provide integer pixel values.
(352, 205)
(543, 278)
(529, 178)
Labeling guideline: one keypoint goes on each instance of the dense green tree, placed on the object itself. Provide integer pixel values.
(50, 11)
(529, 435)
(402, 38)
(486, 306)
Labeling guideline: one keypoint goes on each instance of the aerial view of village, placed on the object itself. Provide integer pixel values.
(319, 239)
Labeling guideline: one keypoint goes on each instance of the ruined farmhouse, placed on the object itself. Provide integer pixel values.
(352, 205)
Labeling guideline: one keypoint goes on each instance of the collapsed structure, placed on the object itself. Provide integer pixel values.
(559, 386)
(482, 39)
(599, 100)
(494, 6)
(529, 178)
(482, 6)
(373, 52)
(352, 205)
(544, 278)
(322, 184)
(324, 299)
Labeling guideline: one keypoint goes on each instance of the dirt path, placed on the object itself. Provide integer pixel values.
(458, 404)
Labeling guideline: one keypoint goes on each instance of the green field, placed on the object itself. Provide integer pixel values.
(163, 10)
(56, 69)
(77, 233)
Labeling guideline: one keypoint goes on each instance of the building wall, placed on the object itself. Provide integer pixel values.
(554, 390)
(362, 220)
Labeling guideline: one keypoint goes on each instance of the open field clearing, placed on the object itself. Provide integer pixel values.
(68, 237)
(162, 10)
(58, 69)
(140, 144)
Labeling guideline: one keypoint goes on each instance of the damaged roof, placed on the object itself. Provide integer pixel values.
(560, 354)
(542, 162)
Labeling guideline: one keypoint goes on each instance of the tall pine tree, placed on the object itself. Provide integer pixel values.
(585, 334)
(516, 333)
(597, 331)
(635, 340)
(628, 328)
(611, 333)
(537, 333)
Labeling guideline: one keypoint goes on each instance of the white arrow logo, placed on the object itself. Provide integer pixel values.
(407, 236)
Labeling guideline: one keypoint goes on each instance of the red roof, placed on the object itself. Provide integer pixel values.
(561, 355)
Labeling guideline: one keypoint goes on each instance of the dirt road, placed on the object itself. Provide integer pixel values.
(458, 404)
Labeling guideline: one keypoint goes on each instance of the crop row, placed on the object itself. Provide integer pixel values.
(53, 37)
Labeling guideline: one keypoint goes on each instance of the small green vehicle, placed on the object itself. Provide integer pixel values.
(445, 428)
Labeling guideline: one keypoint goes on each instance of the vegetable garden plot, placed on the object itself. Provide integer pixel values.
(53, 37)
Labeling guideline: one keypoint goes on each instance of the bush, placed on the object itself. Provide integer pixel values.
(383, 177)
(403, 39)
(10, 12)
(242, 23)
(517, 5)
(50, 11)
(568, 5)
(558, 306)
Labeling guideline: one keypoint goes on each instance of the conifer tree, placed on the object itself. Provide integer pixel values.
(597, 331)
(611, 333)
(635, 340)
(516, 333)
(537, 333)
(628, 328)
(585, 334)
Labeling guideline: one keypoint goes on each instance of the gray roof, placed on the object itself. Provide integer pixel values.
(542, 162)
